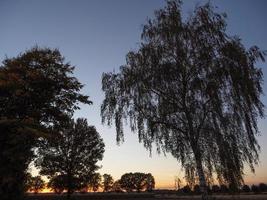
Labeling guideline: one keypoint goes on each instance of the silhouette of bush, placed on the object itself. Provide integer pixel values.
(224, 189)
(215, 189)
(246, 188)
(186, 189)
(196, 189)
(262, 187)
(255, 189)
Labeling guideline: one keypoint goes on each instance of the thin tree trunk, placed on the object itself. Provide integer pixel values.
(201, 176)
(69, 187)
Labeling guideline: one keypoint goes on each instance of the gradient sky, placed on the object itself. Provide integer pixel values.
(95, 35)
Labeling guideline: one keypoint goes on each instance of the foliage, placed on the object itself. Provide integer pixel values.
(196, 189)
(193, 90)
(215, 189)
(37, 90)
(186, 189)
(245, 188)
(57, 184)
(72, 155)
(137, 182)
(262, 187)
(150, 182)
(35, 184)
(224, 188)
(116, 187)
(107, 182)
(95, 182)
(255, 188)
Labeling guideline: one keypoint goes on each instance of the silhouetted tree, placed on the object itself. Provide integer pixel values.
(57, 184)
(186, 189)
(245, 188)
(36, 184)
(177, 183)
(262, 187)
(196, 189)
(149, 182)
(37, 90)
(224, 188)
(255, 189)
(137, 182)
(192, 89)
(127, 182)
(107, 182)
(215, 189)
(95, 182)
(116, 187)
(72, 154)
(233, 188)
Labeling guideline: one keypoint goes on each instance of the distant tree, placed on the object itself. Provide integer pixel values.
(215, 189)
(255, 189)
(137, 182)
(37, 90)
(245, 188)
(107, 182)
(149, 182)
(196, 189)
(262, 187)
(233, 188)
(95, 182)
(186, 189)
(36, 184)
(116, 187)
(73, 154)
(177, 183)
(192, 89)
(127, 182)
(57, 184)
(224, 188)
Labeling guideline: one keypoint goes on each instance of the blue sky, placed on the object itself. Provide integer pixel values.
(95, 36)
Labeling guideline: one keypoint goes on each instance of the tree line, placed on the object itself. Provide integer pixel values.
(191, 89)
(223, 189)
(129, 182)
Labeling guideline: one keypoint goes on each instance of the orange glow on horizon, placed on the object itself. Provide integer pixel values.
(163, 183)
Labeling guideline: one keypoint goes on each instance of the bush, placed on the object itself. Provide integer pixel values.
(262, 187)
(215, 189)
(196, 189)
(255, 188)
(224, 189)
(246, 188)
(186, 189)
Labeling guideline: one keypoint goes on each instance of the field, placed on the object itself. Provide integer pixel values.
(141, 196)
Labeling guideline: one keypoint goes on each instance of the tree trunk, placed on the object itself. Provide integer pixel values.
(201, 176)
(68, 193)
(69, 186)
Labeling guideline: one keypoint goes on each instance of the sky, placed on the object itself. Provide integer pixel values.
(95, 36)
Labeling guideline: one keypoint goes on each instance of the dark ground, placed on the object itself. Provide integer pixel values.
(141, 196)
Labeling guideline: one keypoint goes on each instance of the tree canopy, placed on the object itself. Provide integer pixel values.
(35, 184)
(37, 91)
(107, 182)
(137, 182)
(95, 182)
(73, 154)
(193, 90)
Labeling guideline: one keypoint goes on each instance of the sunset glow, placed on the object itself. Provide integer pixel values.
(139, 92)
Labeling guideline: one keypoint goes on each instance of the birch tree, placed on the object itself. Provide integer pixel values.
(194, 91)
